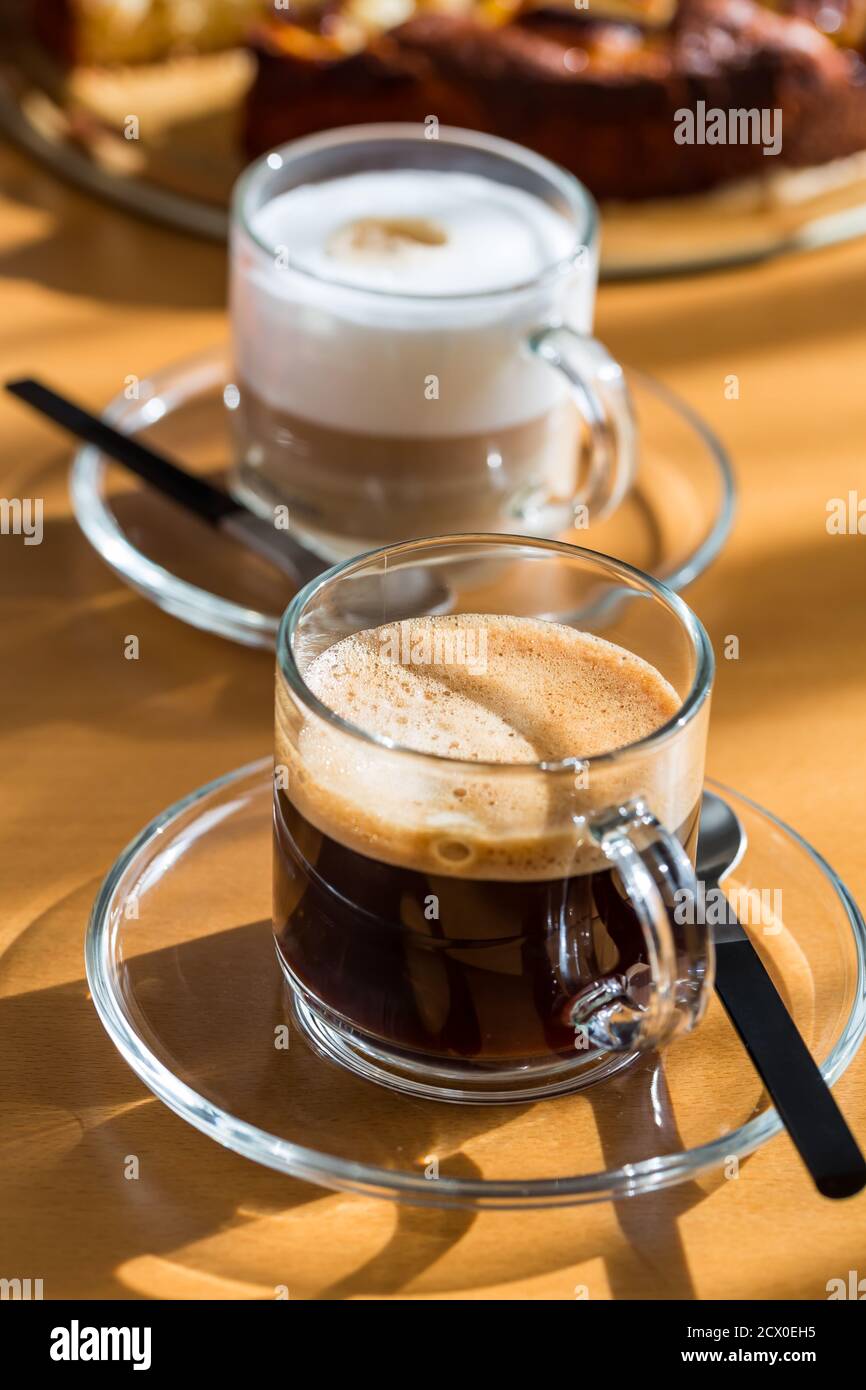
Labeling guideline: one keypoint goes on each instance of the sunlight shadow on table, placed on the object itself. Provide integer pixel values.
(200, 1208)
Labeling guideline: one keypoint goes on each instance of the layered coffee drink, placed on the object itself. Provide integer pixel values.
(449, 901)
(384, 386)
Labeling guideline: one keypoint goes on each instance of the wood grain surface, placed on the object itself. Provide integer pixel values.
(93, 746)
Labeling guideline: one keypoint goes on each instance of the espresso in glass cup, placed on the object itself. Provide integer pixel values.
(411, 323)
(489, 763)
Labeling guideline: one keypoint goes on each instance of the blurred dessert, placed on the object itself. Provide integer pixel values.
(599, 96)
(94, 32)
(597, 89)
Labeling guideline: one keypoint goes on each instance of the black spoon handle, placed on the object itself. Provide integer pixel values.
(199, 496)
(797, 1088)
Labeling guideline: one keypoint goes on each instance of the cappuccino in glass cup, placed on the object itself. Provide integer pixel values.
(411, 333)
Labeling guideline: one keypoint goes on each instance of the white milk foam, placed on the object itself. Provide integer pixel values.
(417, 232)
(487, 690)
(405, 359)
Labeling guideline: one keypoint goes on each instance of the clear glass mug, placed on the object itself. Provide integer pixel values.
(517, 986)
(376, 416)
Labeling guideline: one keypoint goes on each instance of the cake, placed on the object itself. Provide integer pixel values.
(97, 32)
(603, 90)
(599, 96)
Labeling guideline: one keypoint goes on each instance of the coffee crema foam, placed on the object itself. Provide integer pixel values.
(480, 689)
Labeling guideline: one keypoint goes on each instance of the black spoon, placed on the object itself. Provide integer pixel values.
(414, 590)
(780, 1056)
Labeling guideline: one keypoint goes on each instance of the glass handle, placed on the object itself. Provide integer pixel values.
(649, 1005)
(600, 392)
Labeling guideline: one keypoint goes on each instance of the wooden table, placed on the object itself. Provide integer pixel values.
(94, 745)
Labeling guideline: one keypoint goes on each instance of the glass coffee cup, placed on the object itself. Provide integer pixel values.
(402, 375)
(487, 930)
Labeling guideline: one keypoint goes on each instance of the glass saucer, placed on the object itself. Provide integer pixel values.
(181, 967)
(672, 526)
